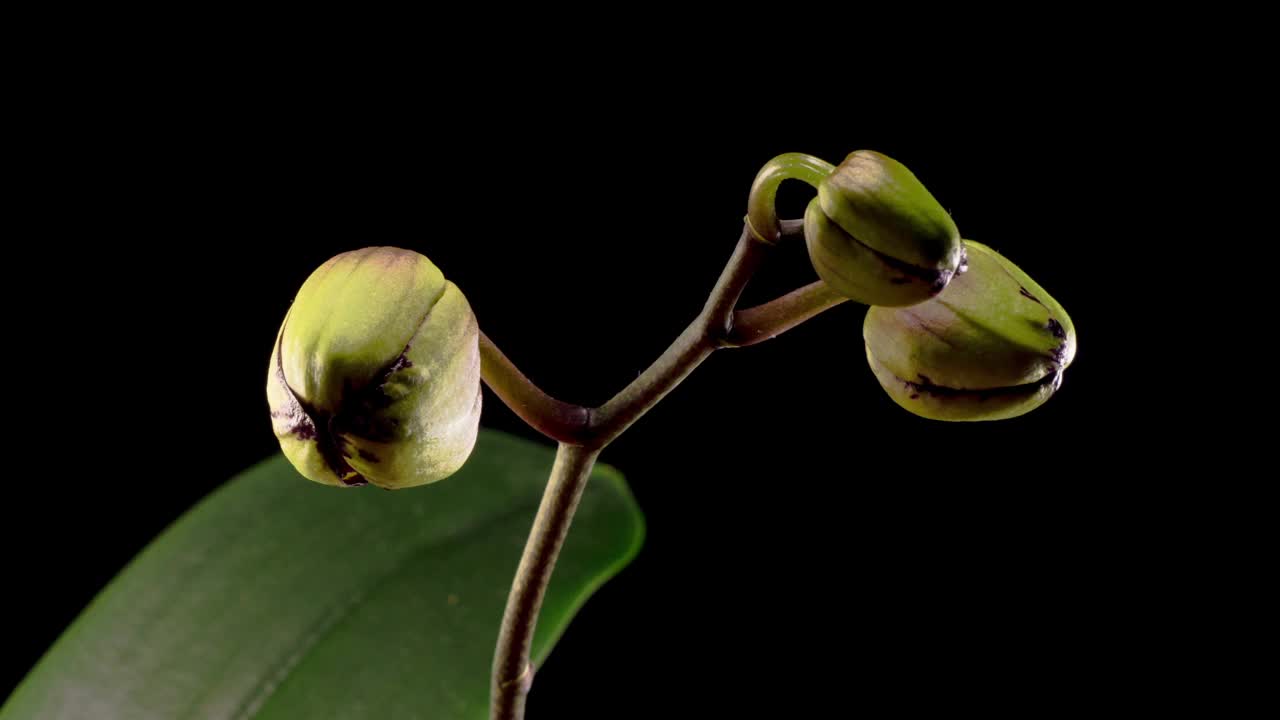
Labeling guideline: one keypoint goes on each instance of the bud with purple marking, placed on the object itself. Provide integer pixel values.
(877, 236)
(992, 345)
(375, 374)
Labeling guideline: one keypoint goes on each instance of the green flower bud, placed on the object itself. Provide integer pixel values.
(375, 375)
(877, 236)
(992, 345)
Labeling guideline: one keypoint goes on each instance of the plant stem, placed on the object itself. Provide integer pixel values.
(760, 323)
(512, 669)
(762, 218)
(560, 421)
(688, 351)
(584, 432)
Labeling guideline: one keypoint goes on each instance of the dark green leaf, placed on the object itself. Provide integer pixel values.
(279, 598)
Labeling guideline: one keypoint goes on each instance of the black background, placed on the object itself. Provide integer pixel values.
(808, 541)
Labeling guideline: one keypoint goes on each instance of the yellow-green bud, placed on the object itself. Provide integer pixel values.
(375, 375)
(992, 345)
(877, 236)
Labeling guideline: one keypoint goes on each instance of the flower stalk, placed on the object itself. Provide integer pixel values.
(376, 371)
(584, 432)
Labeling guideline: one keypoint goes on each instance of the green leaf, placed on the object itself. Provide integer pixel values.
(276, 597)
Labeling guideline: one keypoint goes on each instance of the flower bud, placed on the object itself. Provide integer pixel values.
(877, 236)
(375, 375)
(992, 345)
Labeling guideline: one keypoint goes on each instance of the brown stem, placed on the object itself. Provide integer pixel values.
(512, 669)
(791, 228)
(763, 322)
(560, 421)
(689, 350)
(583, 433)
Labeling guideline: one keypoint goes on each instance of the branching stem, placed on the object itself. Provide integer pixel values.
(583, 432)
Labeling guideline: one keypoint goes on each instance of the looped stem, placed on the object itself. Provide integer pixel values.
(762, 216)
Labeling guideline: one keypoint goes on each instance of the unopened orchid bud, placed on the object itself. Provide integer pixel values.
(992, 345)
(375, 374)
(877, 236)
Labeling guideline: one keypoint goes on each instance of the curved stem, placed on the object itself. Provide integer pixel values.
(560, 421)
(566, 422)
(512, 669)
(762, 217)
